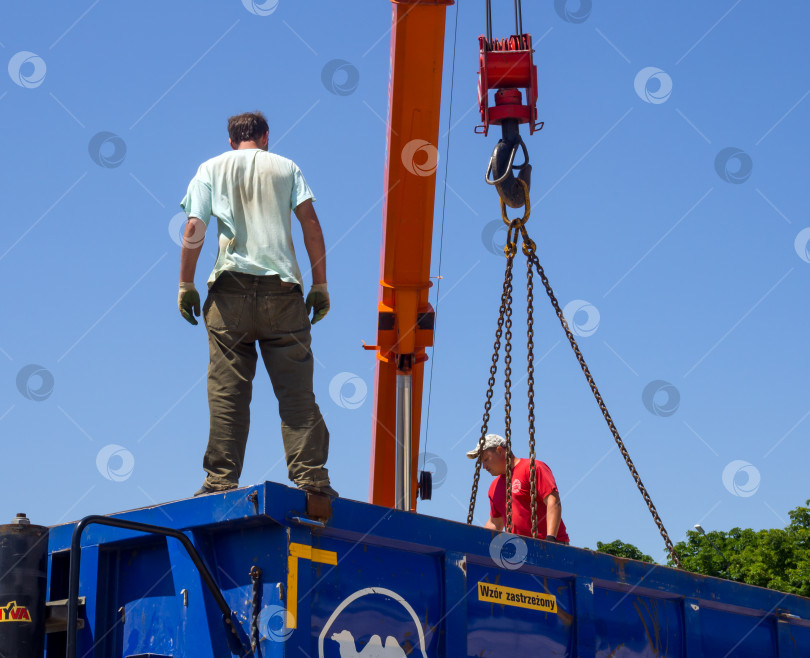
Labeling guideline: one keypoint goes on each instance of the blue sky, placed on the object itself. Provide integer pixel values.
(667, 209)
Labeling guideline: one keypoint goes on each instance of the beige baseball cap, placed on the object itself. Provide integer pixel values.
(490, 441)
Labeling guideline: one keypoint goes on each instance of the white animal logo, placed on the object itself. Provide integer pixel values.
(374, 648)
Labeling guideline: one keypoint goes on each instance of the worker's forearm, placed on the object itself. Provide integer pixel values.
(316, 249)
(188, 263)
(190, 251)
(494, 523)
(553, 516)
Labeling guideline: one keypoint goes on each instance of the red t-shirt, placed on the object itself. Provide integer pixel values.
(521, 499)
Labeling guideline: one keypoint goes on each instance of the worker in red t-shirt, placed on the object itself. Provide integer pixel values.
(550, 525)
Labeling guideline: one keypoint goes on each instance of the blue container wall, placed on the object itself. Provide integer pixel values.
(628, 624)
(379, 582)
(497, 629)
(374, 595)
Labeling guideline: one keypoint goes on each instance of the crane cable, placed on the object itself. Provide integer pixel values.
(516, 232)
(441, 238)
(518, 18)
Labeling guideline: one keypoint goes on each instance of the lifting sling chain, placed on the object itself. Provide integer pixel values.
(517, 232)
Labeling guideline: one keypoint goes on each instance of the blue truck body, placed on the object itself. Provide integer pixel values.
(375, 582)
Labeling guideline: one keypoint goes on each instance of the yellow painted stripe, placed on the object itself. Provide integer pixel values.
(327, 557)
(307, 553)
(314, 554)
(301, 550)
(292, 591)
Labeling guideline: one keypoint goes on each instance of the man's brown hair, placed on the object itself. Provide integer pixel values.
(247, 127)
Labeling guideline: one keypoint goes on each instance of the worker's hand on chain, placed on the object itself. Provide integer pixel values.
(188, 300)
(318, 299)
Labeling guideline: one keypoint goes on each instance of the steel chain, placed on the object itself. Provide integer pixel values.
(603, 408)
(530, 369)
(493, 369)
(505, 318)
(255, 577)
(507, 380)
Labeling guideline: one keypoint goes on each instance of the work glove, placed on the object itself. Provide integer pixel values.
(188, 300)
(318, 299)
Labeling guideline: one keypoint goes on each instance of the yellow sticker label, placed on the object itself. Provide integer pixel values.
(13, 612)
(520, 598)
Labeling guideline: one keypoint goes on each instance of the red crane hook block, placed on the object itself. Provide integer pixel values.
(508, 66)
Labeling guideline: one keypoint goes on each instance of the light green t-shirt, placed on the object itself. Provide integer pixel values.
(251, 192)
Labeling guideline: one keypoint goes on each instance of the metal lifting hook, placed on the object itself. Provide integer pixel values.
(502, 166)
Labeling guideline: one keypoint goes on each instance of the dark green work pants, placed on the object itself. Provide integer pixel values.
(240, 310)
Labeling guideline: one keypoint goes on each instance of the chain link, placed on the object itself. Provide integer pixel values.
(255, 577)
(603, 408)
(530, 368)
(507, 383)
(493, 369)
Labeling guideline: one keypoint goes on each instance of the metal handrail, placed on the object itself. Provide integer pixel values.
(75, 565)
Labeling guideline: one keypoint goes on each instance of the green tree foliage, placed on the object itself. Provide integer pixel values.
(620, 549)
(778, 558)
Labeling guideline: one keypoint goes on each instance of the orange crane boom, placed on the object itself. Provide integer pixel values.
(405, 316)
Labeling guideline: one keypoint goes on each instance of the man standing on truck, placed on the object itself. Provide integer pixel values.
(255, 295)
(550, 525)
